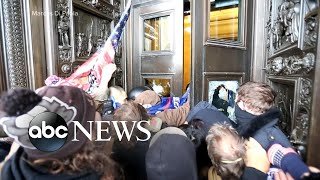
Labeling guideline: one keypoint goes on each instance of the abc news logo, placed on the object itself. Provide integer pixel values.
(48, 131)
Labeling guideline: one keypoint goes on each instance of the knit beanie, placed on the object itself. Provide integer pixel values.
(287, 160)
(171, 156)
(71, 103)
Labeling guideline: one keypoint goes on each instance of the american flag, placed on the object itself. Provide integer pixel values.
(98, 69)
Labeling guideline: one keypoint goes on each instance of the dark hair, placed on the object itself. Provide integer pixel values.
(19, 101)
(195, 131)
(130, 111)
(219, 87)
(90, 158)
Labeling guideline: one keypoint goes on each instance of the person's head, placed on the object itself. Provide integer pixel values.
(16, 102)
(195, 131)
(226, 150)
(171, 156)
(73, 105)
(277, 65)
(255, 97)
(118, 94)
(130, 112)
(223, 92)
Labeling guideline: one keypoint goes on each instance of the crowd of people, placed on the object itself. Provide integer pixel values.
(186, 143)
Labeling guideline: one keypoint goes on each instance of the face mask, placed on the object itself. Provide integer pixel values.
(242, 116)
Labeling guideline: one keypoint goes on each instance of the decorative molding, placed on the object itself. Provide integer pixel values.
(300, 132)
(310, 32)
(87, 43)
(285, 30)
(118, 59)
(119, 74)
(75, 47)
(294, 101)
(287, 90)
(14, 43)
(285, 103)
(117, 15)
(269, 27)
(305, 92)
(291, 65)
(99, 5)
(117, 5)
(64, 42)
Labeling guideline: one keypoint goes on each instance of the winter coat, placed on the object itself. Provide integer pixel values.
(253, 174)
(264, 129)
(4, 150)
(209, 114)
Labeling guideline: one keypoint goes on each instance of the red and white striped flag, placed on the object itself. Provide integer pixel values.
(94, 75)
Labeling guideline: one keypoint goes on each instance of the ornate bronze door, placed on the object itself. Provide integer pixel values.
(221, 50)
(157, 46)
(289, 57)
(290, 61)
(76, 29)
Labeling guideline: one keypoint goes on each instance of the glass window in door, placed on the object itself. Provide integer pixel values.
(224, 19)
(157, 34)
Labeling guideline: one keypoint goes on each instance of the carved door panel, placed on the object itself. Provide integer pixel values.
(3, 86)
(291, 49)
(76, 30)
(157, 46)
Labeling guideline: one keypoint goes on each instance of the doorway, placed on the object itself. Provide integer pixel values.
(186, 44)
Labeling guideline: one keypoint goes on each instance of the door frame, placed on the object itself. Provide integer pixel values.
(313, 156)
(3, 72)
(22, 44)
(131, 42)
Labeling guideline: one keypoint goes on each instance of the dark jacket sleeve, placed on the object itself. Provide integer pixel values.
(251, 173)
(4, 150)
(200, 106)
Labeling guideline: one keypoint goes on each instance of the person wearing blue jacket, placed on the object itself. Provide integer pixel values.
(256, 115)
